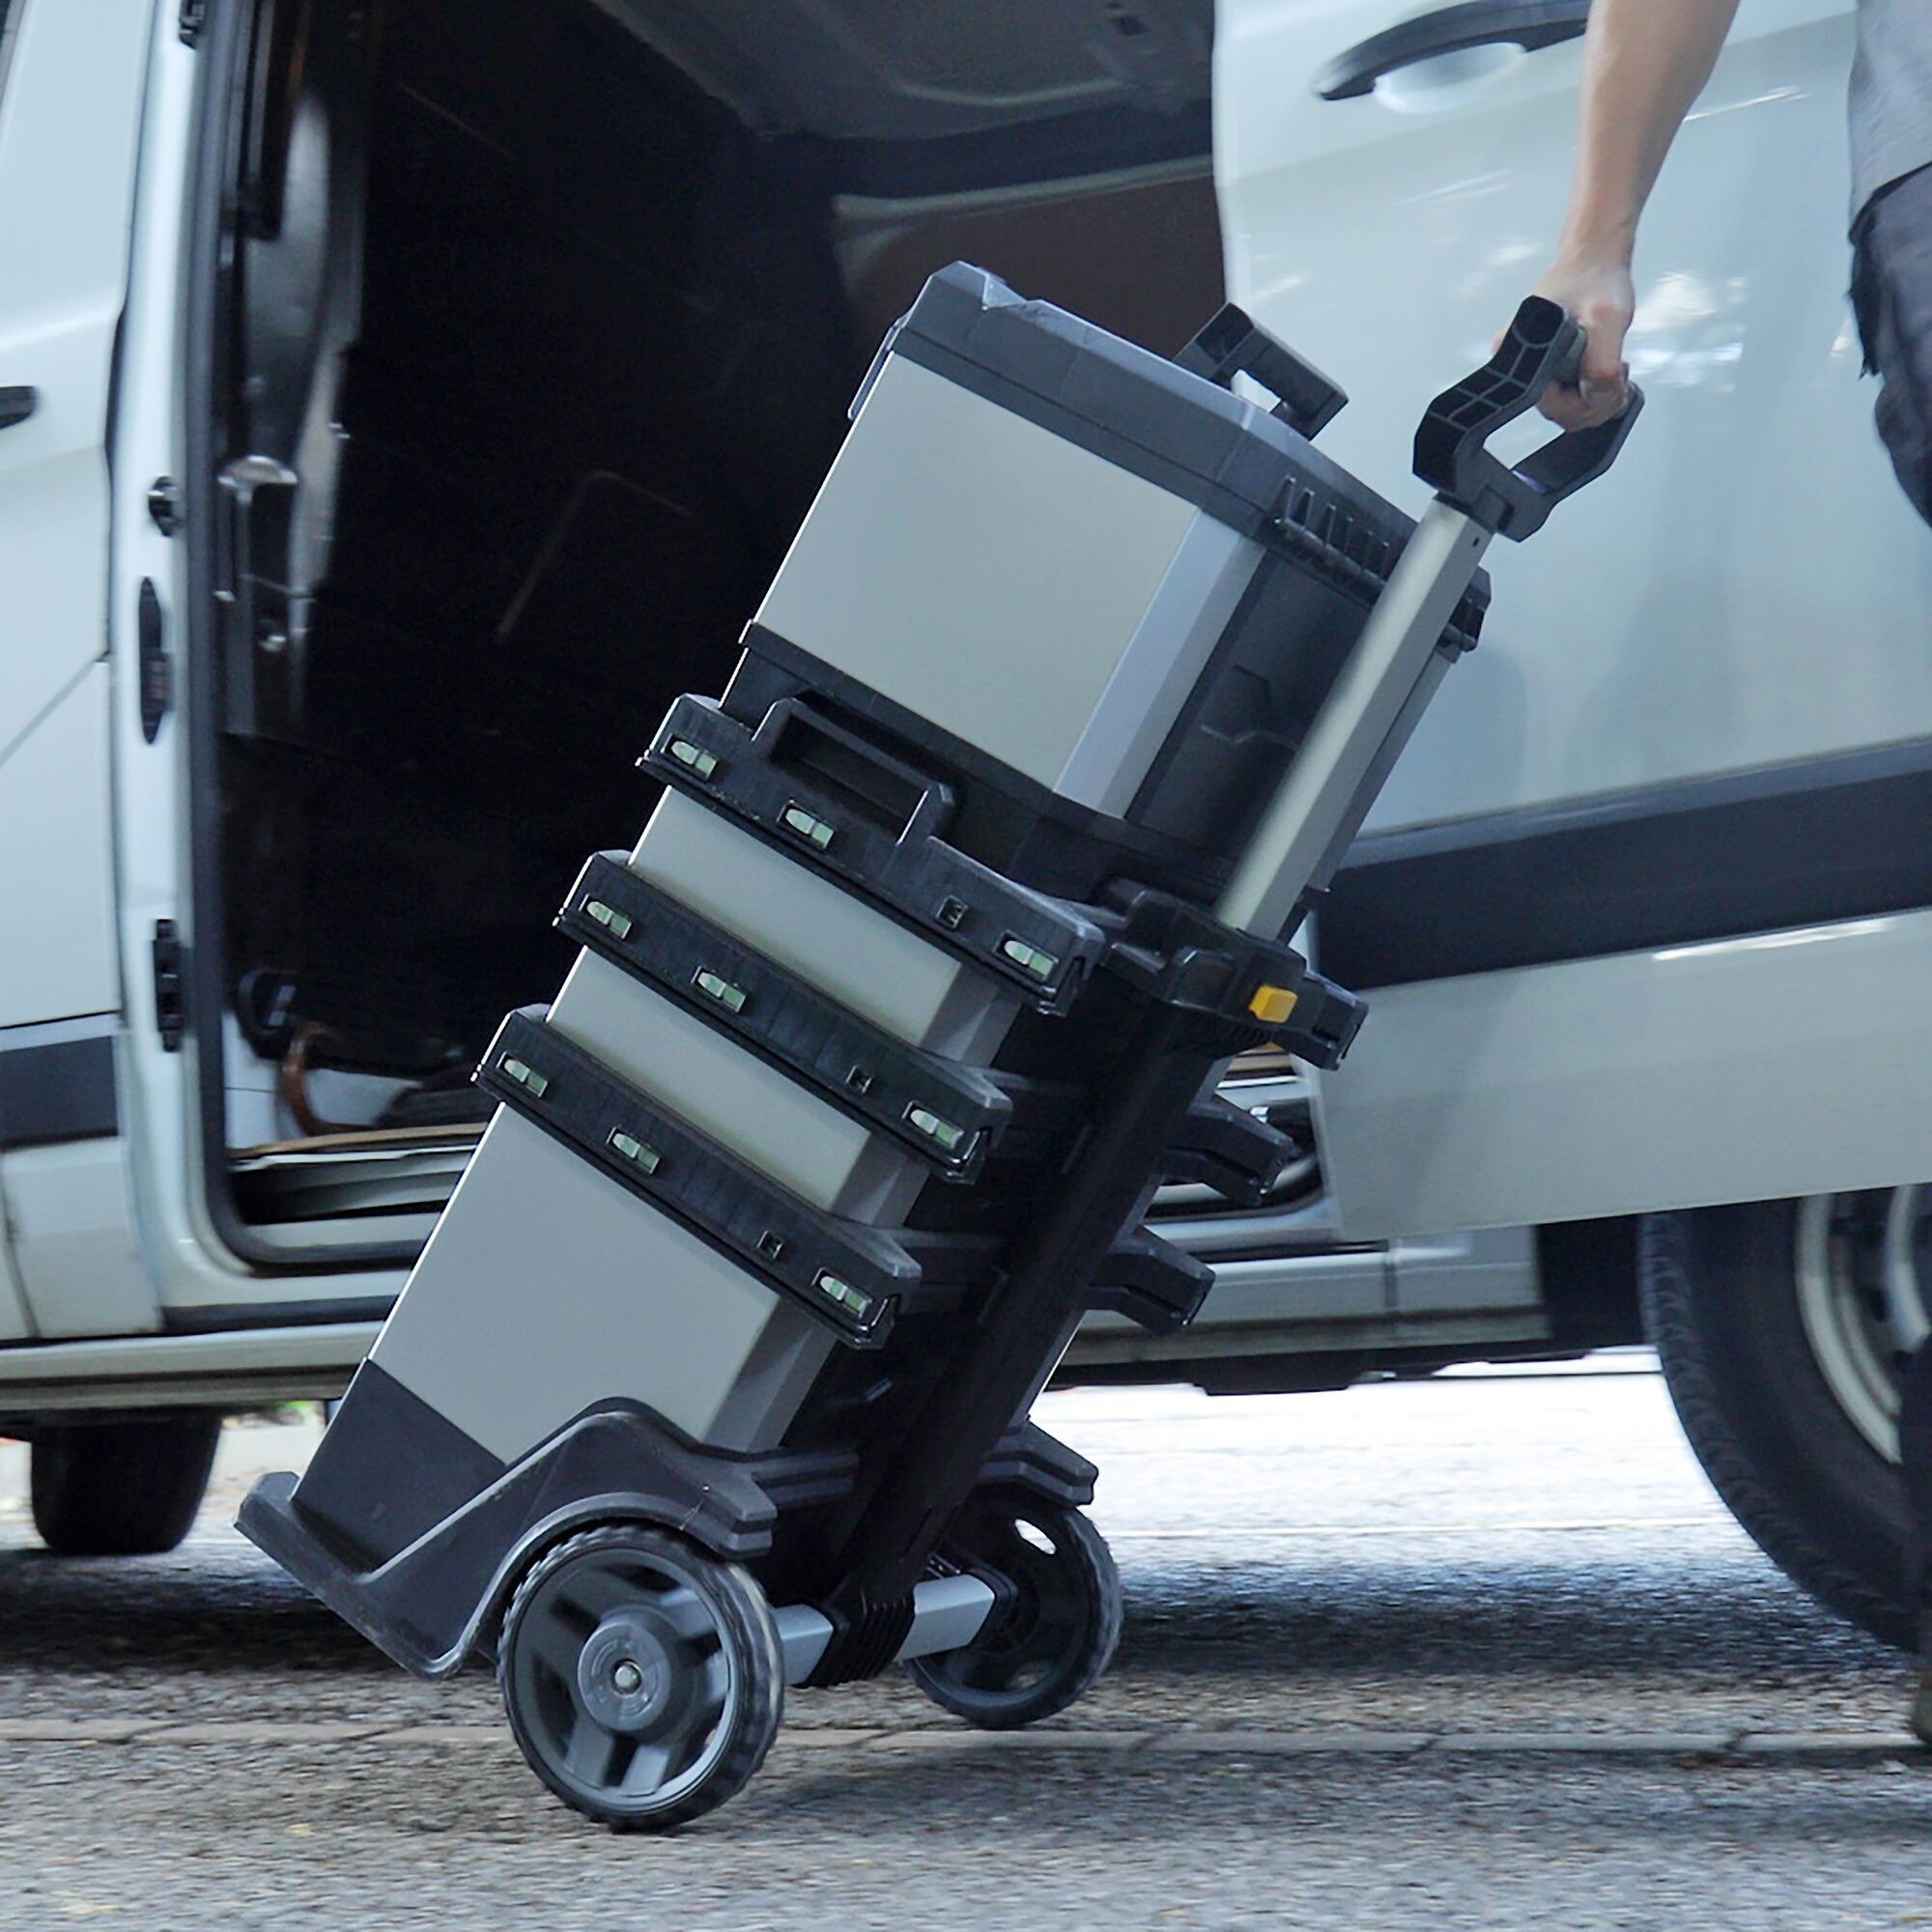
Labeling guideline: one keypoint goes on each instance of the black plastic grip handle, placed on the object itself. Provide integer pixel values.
(1232, 343)
(1542, 345)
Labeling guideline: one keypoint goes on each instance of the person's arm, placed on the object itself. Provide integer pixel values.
(1645, 62)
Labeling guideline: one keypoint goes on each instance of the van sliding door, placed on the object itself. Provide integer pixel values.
(1642, 913)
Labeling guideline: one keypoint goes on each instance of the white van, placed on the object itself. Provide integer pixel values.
(402, 400)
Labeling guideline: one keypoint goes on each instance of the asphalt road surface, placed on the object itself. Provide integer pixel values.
(1481, 1652)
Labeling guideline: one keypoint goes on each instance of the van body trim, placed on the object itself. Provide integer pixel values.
(1812, 842)
(57, 1082)
(235, 1317)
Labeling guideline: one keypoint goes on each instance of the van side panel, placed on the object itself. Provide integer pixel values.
(1751, 1068)
(15, 1326)
(1665, 957)
(56, 864)
(71, 1217)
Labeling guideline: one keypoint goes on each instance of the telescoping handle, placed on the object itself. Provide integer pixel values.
(1542, 345)
(1390, 676)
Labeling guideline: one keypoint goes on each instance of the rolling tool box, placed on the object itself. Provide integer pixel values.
(715, 1374)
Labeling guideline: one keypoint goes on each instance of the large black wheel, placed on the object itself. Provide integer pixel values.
(1053, 1632)
(644, 1680)
(121, 1489)
(1782, 1327)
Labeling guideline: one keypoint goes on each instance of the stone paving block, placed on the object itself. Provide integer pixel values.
(1608, 1744)
(1049, 1740)
(446, 1734)
(942, 1741)
(242, 1731)
(74, 1730)
(1335, 1739)
(1831, 1744)
(935, 1741)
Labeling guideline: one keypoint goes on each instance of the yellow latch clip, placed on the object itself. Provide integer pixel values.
(1271, 1004)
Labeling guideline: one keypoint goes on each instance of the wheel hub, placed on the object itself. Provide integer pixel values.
(626, 1675)
(1861, 1267)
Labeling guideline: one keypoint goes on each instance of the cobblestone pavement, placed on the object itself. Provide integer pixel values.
(1483, 1650)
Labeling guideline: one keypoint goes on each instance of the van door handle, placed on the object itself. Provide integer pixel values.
(17, 405)
(1528, 24)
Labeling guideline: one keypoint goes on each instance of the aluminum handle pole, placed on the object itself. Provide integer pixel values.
(1319, 794)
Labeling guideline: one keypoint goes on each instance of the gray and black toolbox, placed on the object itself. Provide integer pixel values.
(715, 1374)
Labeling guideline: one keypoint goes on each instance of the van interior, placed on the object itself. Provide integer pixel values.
(532, 327)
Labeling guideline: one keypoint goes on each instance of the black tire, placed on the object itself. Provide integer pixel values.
(1722, 1306)
(699, 1635)
(1048, 1642)
(121, 1489)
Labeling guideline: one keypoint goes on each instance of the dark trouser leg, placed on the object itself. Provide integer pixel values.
(1914, 1449)
(1891, 287)
(1914, 1452)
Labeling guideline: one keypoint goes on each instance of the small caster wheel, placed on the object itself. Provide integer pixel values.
(1049, 1641)
(644, 1680)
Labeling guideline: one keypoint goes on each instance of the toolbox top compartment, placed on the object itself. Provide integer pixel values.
(1245, 466)
(1093, 594)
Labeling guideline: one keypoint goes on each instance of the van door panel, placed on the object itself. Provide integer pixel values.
(13, 1323)
(1747, 586)
(56, 864)
(70, 1213)
(70, 121)
(1742, 1069)
(1745, 592)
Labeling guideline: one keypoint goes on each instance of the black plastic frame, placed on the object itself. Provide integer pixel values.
(1067, 849)
(1229, 1150)
(782, 1241)
(428, 1606)
(1543, 345)
(953, 903)
(844, 1060)
(432, 1606)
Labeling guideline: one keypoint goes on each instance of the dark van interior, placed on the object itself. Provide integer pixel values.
(534, 324)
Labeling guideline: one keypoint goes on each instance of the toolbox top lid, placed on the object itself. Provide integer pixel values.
(1178, 430)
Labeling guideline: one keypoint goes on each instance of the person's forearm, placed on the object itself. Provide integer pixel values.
(1645, 62)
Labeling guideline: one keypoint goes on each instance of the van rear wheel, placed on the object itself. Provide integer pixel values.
(121, 1489)
(1781, 1326)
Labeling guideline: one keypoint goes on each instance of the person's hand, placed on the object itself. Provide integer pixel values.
(1598, 294)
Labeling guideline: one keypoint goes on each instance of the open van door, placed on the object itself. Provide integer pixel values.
(1644, 912)
(72, 77)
